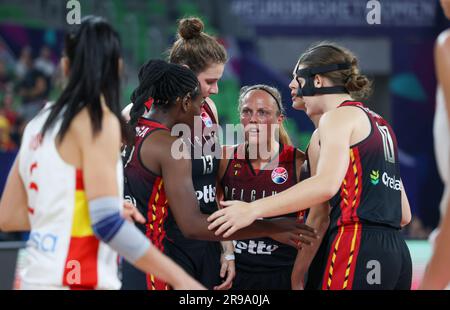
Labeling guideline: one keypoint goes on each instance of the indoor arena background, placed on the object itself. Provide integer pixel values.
(264, 39)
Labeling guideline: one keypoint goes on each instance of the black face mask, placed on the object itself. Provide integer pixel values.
(308, 74)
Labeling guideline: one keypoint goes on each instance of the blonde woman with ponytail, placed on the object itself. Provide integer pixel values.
(266, 163)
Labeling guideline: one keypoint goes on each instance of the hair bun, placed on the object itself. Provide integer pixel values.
(359, 86)
(189, 28)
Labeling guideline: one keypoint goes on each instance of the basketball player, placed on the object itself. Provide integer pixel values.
(66, 184)
(437, 275)
(207, 261)
(262, 263)
(357, 172)
(154, 175)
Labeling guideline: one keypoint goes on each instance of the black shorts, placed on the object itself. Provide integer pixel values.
(362, 257)
(199, 259)
(279, 279)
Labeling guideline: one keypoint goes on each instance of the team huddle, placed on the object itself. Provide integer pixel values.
(122, 211)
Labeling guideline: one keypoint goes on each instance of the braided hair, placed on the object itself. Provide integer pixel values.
(162, 83)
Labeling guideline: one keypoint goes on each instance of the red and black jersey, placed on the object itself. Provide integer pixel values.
(242, 182)
(371, 190)
(205, 166)
(146, 190)
(205, 162)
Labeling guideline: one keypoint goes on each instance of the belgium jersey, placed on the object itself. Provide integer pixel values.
(200, 258)
(146, 190)
(241, 182)
(205, 165)
(371, 190)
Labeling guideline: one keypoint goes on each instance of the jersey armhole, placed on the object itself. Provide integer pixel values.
(228, 164)
(306, 174)
(139, 153)
(371, 128)
(210, 111)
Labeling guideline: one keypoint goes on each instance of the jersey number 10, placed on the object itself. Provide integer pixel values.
(388, 144)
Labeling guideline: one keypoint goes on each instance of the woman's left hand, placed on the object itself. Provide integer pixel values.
(234, 216)
(228, 269)
(131, 213)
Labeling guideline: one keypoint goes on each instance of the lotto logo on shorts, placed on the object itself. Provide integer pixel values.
(279, 175)
(206, 119)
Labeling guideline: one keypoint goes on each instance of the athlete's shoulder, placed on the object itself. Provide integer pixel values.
(442, 47)
(161, 143)
(213, 108)
(443, 40)
(342, 115)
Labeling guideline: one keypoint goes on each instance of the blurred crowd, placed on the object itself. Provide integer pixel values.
(25, 86)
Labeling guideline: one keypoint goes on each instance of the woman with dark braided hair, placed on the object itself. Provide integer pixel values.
(154, 176)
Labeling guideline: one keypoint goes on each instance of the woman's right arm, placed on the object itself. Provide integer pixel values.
(100, 155)
(437, 273)
(177, 176)
(335, 130)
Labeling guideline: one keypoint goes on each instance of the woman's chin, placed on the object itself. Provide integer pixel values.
(300, 106)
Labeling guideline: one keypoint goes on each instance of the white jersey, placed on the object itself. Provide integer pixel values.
(62, 251)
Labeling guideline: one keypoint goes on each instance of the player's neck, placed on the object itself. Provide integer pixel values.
(332, 101)
(265, 153)
(161, 117)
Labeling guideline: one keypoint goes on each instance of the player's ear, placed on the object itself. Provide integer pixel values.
(318, 81)
(65, 66)
(186, 103)
(120, 66)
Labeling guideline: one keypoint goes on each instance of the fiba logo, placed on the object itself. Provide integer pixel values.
(279, 175)
(206, 119)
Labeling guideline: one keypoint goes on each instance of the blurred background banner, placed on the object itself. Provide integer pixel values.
(353, 13)
(264, 39)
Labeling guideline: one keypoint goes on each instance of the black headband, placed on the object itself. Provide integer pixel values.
(250, 88)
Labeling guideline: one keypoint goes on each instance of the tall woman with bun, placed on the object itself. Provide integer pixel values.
(355, 168)
(212, 263)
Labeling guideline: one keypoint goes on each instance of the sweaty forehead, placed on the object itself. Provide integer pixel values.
(259, 99)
